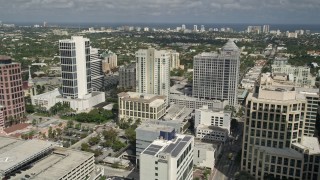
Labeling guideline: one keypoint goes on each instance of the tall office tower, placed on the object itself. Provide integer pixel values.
(183, 27)
(274, 144)
(266, 29)
(174, 60)
(168, 159)
(202, 28)
(195, 28)
(11, 93)
(75, 67)
(97, 76)
(216, 76)
(127, 76)
(152, 68)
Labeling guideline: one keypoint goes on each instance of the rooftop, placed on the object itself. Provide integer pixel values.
(14, 152)
(57, 164)
(214, 128)
(230, 46)
(173, 147)
(154, 127)
(204, 145)
(284, 152)
(311, 144)
(4, 58)
(153, 99)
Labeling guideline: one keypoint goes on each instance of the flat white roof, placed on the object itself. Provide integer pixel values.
(15, 152)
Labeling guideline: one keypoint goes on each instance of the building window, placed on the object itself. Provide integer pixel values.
(156, 174)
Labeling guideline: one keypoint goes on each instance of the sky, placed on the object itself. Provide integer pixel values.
(162, 11)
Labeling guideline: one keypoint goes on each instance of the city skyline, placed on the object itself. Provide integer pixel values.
(186, 11)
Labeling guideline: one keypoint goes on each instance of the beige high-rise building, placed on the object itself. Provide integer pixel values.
(109, 61)
(174, 60)
(274, 144)
(152, 67)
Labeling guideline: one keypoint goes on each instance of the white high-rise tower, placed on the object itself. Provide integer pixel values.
(75, 67)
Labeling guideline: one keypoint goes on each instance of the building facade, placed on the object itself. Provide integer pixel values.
(211, 133)
(97, 77)
(300, 75)
(170, 160)
(109, 61)
(274, 144)
(75, 67)
(153, 70)
(141, 106)
(216, 76)
(127, 76)
(205, 154)
(11, 92)
(174, 60)
(208, 117)
(196, 103)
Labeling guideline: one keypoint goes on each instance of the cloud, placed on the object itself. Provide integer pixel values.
(160, 10)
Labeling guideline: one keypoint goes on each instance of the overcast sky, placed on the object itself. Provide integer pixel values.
(170, 11)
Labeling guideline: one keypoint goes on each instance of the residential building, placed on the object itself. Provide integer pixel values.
(205, 154)
(209, 117)
(11, 92)
(153, 70)
(280, 61)
(147, 132)
(254, 29)
(216, 76)
(195, 28)
(44, 161)
(196, 103)
(109, 61)
(97, 76)
(300, 75)
(174, 60)
(266, 29)
(168, 159)
(274, 144)
(141, 106)
(127, 76)
(75, 67)
(211, 133)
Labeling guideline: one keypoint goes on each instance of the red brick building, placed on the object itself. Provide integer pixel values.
(11, 92)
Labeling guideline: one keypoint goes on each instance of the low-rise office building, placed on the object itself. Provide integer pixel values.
(196, 103)
(141, 106)
(208, 117)
(146, 133)
(211, 133)
(205, 154)
(168, 159)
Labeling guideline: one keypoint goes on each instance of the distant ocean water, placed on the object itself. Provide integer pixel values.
(237, 27)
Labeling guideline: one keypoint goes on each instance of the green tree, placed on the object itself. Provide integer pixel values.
(117, 145)
(131, 135)
(94, 140)
(85, 147)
